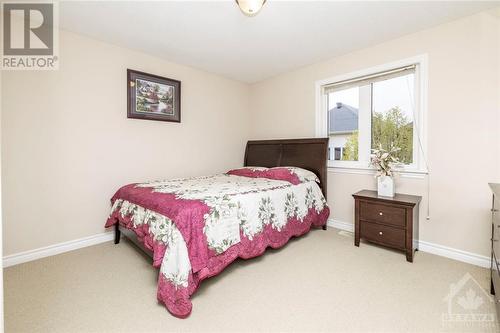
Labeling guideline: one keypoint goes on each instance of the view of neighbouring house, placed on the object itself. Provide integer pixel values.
(342, 124)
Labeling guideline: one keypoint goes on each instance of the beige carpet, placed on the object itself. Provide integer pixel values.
(320, 282)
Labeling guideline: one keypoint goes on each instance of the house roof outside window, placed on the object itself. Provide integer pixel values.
(343, 119)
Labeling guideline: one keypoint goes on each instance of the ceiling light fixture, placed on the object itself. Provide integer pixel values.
(250, 7)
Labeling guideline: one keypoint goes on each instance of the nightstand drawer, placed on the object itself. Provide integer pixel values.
(383, 235)
(377, 212)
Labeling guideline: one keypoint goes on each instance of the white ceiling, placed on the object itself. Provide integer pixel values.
(215, 36)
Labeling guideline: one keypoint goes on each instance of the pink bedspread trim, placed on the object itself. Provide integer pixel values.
(186, 214)
(275, 173)
(143, 235)
(177, 299)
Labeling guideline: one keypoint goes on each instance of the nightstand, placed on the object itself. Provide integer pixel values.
(390, 222)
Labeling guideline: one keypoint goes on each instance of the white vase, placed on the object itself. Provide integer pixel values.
(385, 186)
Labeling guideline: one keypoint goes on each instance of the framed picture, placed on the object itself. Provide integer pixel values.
(153, 97)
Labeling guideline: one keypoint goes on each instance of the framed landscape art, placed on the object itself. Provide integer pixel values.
(153, 97)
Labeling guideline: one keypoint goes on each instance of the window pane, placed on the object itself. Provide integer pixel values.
(392, 115)
(343, 106)
(338, 154)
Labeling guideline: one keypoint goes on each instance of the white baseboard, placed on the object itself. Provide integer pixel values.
(440, 250)
(19, 258)
(346, 226)
(456, 254)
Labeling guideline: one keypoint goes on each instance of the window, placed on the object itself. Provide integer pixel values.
(343, 122)
(338, 153)
(370, 109)
(392, 115)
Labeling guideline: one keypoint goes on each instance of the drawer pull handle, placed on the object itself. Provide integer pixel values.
(494, 210)
(380, 213)
(380, 233)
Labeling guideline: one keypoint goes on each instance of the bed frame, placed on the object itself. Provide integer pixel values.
(309, 154)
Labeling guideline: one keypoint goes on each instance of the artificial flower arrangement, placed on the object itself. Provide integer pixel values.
(385, 161)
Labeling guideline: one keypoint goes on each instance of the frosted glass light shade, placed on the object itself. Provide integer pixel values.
(250, 7)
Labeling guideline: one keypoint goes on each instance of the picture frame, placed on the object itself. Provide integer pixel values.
(153, 97)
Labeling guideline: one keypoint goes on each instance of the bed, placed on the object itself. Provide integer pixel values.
(193, 228)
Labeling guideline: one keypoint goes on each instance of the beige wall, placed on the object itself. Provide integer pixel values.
(498, 94)
(463, 124)
(1, 221)
(67, 144)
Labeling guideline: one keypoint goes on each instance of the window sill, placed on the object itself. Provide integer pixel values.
(415, 174)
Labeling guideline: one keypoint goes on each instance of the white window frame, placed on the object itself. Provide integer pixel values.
(419, 165)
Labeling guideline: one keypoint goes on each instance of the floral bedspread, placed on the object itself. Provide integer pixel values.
(195, 227)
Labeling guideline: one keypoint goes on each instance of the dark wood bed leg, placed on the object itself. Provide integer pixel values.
(324, 227)
(117, 233)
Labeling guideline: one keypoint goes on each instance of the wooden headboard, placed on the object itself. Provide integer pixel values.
(309, 154)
